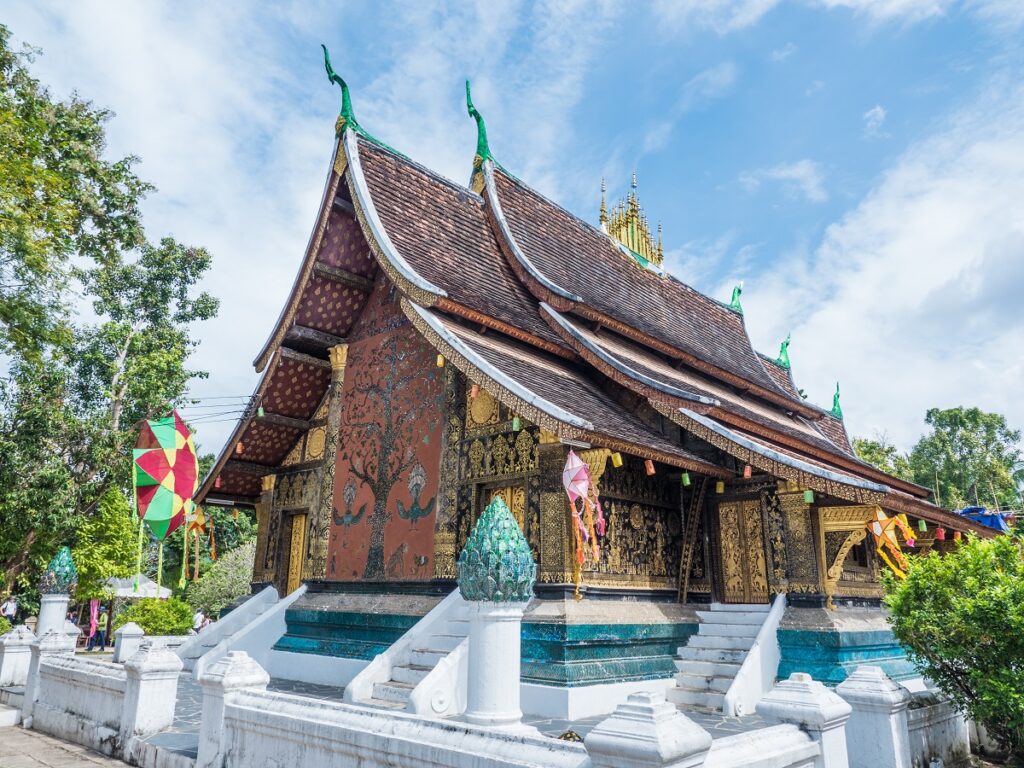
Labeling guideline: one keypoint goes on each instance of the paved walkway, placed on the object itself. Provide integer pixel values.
(30, 749)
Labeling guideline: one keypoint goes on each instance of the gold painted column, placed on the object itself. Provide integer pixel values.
(320, 527)
(264, 511)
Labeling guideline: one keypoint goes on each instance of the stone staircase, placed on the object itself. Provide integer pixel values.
(412, 665)
(709, 662)
(199, 646)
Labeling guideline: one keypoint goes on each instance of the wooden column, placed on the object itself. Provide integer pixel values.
(264, 513)
(320, 526)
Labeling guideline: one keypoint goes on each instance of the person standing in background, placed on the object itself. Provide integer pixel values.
(9, 609)
(102, 626)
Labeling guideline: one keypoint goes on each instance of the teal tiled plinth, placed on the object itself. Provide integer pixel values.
(568, 655)
(831, 655)
(345, 634)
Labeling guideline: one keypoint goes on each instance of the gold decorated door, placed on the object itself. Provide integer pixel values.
(514, 497)
(296, 552)
(741, 548)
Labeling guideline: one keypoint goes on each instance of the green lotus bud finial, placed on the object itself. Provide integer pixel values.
(347, 118)
(783, 358)
(483, 149)
(735, 302)
(497, 564)
(61, 575)
(837, 411)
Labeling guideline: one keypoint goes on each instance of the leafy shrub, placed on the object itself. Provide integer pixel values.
(961, 619)
(226, 580)
(158, 617)
(5, 626)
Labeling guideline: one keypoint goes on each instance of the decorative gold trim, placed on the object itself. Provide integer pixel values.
(831, 519)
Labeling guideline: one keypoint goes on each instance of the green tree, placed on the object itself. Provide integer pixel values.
(884, 455)
(225, 581)
(105, 545)
(969, 456)
(961, 619)
(157, 617)
(59, 199)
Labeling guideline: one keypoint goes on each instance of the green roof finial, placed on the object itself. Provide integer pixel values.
(783, 358)
(347, 118)
(483, 150)
(735, 302)
(837, 411)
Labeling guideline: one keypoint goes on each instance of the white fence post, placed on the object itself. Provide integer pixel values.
(15, 655)
(877, 732)
(53, 611)
(127, 642)
(233, 672)
(817, 710)
(647, 732)
(53, 643)
(150, 692)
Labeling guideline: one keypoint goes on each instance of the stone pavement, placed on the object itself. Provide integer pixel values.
(30, 749)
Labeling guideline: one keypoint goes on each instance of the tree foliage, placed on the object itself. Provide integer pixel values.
(157, 617)
(226, 580)
(105, 545)
(961, 619)
(884, 455)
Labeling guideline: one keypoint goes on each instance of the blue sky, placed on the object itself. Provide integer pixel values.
(859, 164)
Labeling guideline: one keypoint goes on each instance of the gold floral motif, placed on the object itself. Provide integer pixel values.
(296, 552)
(482, 410)
(514, 497)
(315, 442)
(295, 454)
(744, 571)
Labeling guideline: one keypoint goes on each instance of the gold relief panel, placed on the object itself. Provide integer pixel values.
(840, 529)
(482, 410)
(554, 536)
(801, 554)
(444, 555)
(295, 454)
(316, 439)
(741, 544)
(514, 497)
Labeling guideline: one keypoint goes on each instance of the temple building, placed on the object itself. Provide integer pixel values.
(446, 344)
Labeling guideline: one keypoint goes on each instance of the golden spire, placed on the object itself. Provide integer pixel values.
(628, 225)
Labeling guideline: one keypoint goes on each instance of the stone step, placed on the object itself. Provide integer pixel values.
(689, 653)
(9, 716)
(729, 630)
(703, 682)
(731, 617)
(747, 607)
(699, 667)
(393, 691)
(411, 673)
(721, 642)
(686, 697)
(384, 704)
(445, 643)
(425, 658)
(458, 627)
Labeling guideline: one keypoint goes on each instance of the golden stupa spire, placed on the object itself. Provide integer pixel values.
(628, 225)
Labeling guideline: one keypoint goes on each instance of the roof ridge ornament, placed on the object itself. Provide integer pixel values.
(837, 410)
(483, 149)
(628, 225)
(734, 302)
(347, 117)
(783, 359)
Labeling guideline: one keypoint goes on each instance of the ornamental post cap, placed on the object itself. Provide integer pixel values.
(497, 564)
(61, 575)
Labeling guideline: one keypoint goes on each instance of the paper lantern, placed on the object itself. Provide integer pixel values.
(517, 424)
(440, 361)
(649, 466)
(474, 391)
(616, 459)
(234, 513)
(685, 478)
(956, 535)
(747, 471)
(216, 482)
(809, 496)
(240, 448)
(911, 542)
(260, 412)
(922, 526)
(719, 487)
(940, 534)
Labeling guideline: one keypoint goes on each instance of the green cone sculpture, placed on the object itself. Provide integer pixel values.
(497, 564)
(61, 575)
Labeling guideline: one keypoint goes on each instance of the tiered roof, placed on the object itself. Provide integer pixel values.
(551, 315)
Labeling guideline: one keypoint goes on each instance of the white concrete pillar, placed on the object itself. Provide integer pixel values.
(53, 611)
(492, 694)
(128, 641)
(51, 644)
(647, 732)
(150, 692)
(15, 655)
(876, 733)
(233, 672)
(807, 703)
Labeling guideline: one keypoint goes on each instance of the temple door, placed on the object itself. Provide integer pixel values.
(296, 552)
(514, 497)
(741, 548)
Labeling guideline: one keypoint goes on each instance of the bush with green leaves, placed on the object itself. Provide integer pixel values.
(158, 617)
(960, 617)
(5, 626)
(226, 580)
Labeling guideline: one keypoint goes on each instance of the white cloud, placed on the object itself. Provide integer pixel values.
(721, 16)
(912, 299)
(816, 87)
(874, 119)
(700, 90)
(783, 53)
(909, 11)
(803, 178)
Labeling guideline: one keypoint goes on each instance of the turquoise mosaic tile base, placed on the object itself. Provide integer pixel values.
(831, 656)
(347, 635)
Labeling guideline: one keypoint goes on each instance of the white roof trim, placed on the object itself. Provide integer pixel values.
(374, 222)
(782, 458)
(499, 215)
(499, 376)
(620, 366)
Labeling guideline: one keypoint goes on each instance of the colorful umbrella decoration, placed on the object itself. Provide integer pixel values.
(588, 521)
(165, 476)
(883, 528)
